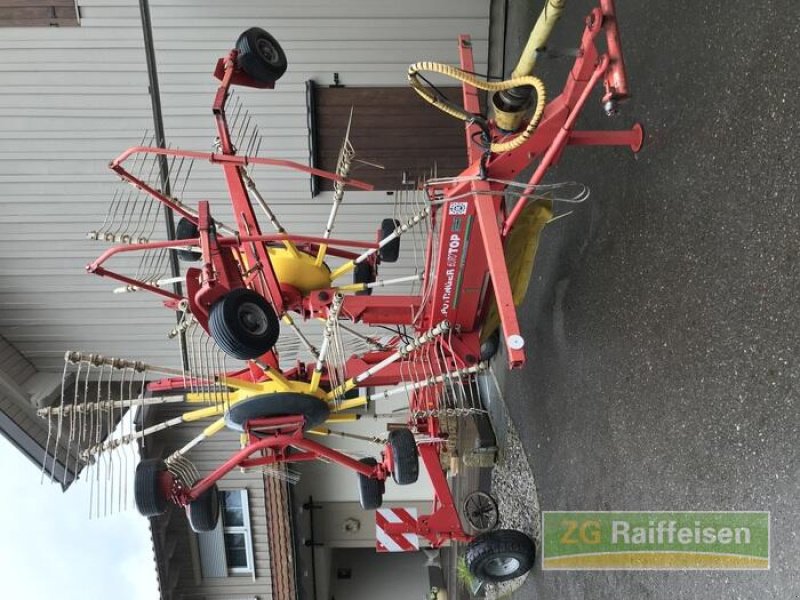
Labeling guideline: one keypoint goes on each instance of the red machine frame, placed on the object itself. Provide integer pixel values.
(470, 266)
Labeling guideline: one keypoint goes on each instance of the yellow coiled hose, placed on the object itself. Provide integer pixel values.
(488, 86)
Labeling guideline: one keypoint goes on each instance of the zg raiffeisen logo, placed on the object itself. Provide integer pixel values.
(655, 540)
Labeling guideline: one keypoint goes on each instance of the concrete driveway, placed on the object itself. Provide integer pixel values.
(662, 321)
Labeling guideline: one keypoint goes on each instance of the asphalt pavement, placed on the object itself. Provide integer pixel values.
(662, 318)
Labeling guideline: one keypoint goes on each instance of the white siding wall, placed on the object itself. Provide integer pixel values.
(73, 98)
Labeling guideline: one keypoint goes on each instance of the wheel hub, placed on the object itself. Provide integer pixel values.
(267, 51)
(502, 566)
(253, 318)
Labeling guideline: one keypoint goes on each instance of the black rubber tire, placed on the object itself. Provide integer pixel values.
(370, 491)
(500, 555)
(490, 347)
(150, 502)
(245, 335)
(363, 273)
(203, 513)
(260, 55)
(186, 230)
(405, 458)
(391, 251)
(281, 404)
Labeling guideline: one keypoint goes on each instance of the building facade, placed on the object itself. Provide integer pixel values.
(75, 97)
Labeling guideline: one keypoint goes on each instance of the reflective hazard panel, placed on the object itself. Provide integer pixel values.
(396, 542)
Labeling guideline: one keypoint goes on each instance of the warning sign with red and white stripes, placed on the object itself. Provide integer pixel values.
(396, 542)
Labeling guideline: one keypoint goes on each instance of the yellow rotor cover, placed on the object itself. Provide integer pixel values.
(299, 270)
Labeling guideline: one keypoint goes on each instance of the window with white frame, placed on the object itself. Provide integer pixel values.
(228, 549)
(235, 518)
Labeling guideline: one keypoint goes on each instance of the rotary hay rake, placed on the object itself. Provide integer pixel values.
(463, 288)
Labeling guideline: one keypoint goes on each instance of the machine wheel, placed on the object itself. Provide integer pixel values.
(150, 501)
(363, 273)
(370, 491)
(281, 404)
(260, 55)
(203, 513)
(481, 511)
(405, 458)
(186, 230)
(490, 347)
(243, 324)
(391, 251)
(500, 555)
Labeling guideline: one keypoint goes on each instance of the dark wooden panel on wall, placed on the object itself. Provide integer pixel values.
(392, 126)
(38, 13)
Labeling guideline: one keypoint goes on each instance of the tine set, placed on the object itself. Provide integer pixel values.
(92, 426)
(412, 210)
(182, 468)
(343, 164)
(245, 136)
(282, 473)
(133, 215)
(207, 364)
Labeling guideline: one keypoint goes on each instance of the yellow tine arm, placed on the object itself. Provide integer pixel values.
(215, 427)
(243, 384)
(323, 249)
(276, 376)
(352, 287)
(342, 269)
(343, 418)
(315, 378)
(342, 389)
(202, 413)
(351, 403)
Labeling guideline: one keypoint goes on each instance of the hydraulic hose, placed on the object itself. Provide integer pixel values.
(488, 86)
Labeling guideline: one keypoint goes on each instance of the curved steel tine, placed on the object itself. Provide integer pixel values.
(143, 268)
(219, 396)
(164, 269)
(236, 111)
(102, 230)
(71, 419)
(245, 124)
(252, 141)
(111, 212)
(50, 427)
(186, 178)
(193, 358)
(134, 193)
(150, 203)
(225, 379)
(207, 386)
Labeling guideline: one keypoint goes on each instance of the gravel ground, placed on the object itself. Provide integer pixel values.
(515, 491)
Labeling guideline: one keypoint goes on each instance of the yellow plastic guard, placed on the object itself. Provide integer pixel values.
(299, 270)
(520, 252)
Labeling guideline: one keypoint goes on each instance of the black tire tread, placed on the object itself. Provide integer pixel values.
(280, 404)
(491, 346)
(405, 457)
(239, 344)
(391, 251)
(363, 273)
(183, 231)
(370, 491)
(146, 491)
(203, 513)
(500, 541)
(252, 63)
